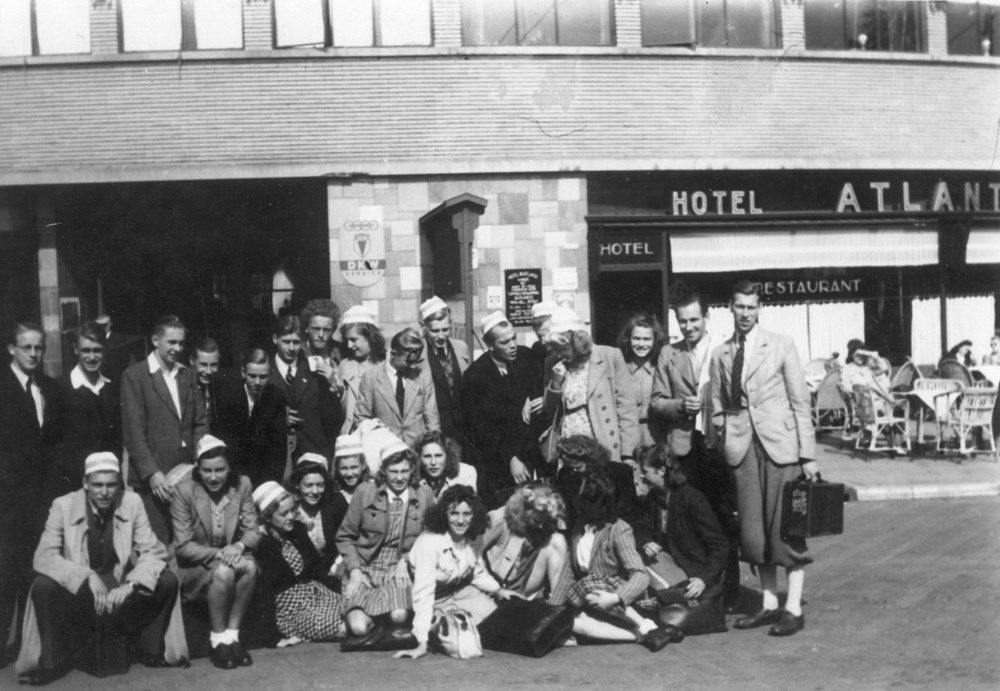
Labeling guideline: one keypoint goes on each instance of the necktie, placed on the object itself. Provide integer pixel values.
(737, 380)
(206, 393)
(449, 371)
(31, 399)
(290, 376)
(400, 394)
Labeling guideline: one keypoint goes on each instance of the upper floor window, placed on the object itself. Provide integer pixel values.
(718, 23)
(181, 24)
(352, 23)
(973, 28)
(44, 27)
(895, 25)
(537, 22)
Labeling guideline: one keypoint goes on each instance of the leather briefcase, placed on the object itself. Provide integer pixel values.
(525, 627)
(812, 509)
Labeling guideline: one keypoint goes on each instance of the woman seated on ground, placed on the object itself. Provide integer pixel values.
(577, 455)
(382, 523)
(319, 509)
(350, 468)
(681, 531)
(604, 576)
(523, 548)
(307, 605)
(440, 467)
(215, 528)
(447, 571)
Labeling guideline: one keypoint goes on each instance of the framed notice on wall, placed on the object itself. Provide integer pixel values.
(524, 289)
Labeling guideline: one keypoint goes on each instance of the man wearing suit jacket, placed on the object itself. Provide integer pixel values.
(761, 410)
(497, 396)
(446, 359)
(100, 568)
(205, 363)
(163, 417)
(29, 427)
(398, 392)
(681, 399)
(305, 414)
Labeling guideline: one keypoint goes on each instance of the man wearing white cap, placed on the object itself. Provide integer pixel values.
(447, 359)
(102, 575)
(500, 395)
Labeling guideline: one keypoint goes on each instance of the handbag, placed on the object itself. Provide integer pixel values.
(454, 633)
(812, 509)
(695, 617)
(525, 627)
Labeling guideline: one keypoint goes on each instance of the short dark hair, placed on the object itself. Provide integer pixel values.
(745, 287)
(436, 515)
(23, 327)
(490, 337)
(451, 460)
(256, 355)
(287, 324)
(91, 331)
(320, 308)
(308, 468)
(407, 340)
(682, 295)
(660, 456)
(371, 333)
(232, 480)
(205, 344)
(400, 456)
(641, 320)
(167, 321)
(596, 500)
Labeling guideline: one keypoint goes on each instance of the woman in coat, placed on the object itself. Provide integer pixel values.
(587, 389)
(640, 343)
(307, 604)
(365, 346)
(319, 509)
(215, 529)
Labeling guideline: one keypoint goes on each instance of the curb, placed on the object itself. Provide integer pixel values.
(948, 491)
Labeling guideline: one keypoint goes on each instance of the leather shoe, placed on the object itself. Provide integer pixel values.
(765, 616)
(788, 624)
(149, 659)
(656, 639)
(241, 656)
(40, 677)
(222, 656)
(396, 639)
(367, 641)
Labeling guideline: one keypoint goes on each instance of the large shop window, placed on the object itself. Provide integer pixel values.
(890, 25)
(352, 23)
(969, 318)
(973, 28)
(983, 246)
(802, 249)
(718, 23)
(537, 22)
(151, 25)
(59, 27)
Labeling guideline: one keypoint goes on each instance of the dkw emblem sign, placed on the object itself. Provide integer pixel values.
(362, 252)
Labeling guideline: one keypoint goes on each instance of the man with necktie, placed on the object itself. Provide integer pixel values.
(250, 407)
(681, 404)
(205, 363)
(29, 426)
(163, 417)
(761, 410)
(446, 359)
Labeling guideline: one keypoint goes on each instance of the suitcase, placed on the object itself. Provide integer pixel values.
(812, 509)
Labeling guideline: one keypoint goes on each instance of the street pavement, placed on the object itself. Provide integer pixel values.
(907, 598)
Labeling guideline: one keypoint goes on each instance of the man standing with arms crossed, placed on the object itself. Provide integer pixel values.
(761, 411)
(163, 416)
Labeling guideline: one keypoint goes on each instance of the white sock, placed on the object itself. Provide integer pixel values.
(770, 600)
(645, 626)
(217, 639)
(232, 635)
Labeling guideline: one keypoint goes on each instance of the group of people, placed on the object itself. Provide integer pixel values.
(356, 486)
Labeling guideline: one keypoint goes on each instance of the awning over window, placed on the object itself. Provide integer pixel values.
(802, 249)
(983, 247)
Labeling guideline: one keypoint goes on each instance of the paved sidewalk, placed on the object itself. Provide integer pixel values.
(922, 475)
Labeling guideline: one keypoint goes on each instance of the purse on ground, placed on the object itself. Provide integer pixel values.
(525, 627)
(812, 509)
(454, 633)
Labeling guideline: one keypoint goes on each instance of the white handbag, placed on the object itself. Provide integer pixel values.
(454, 633)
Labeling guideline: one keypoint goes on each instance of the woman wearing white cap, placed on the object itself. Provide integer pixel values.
(320, 508)
(307, 606)
(382, 524)
(587, 389)
(365, 346)
(215, 528)
(350, 467)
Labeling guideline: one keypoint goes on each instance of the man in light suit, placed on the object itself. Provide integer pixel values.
(681, 401)
(446, 359)
(399, 392)
(100, 570)
(163, 416)
(761, 410)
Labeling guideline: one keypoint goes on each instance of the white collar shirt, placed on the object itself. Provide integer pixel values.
(36, 393)
(169, 378)
(78, 379)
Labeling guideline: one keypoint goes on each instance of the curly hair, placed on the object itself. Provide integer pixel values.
(582, 449)
(395, 459)
(436, 516)
(320, 308)
(371, 333)
(232, 480)
(535, 512)
(580, 344)
(268, 511)
(660, 456)
(304, 469)
(595, 502)
(451, 459)
(641, 320)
